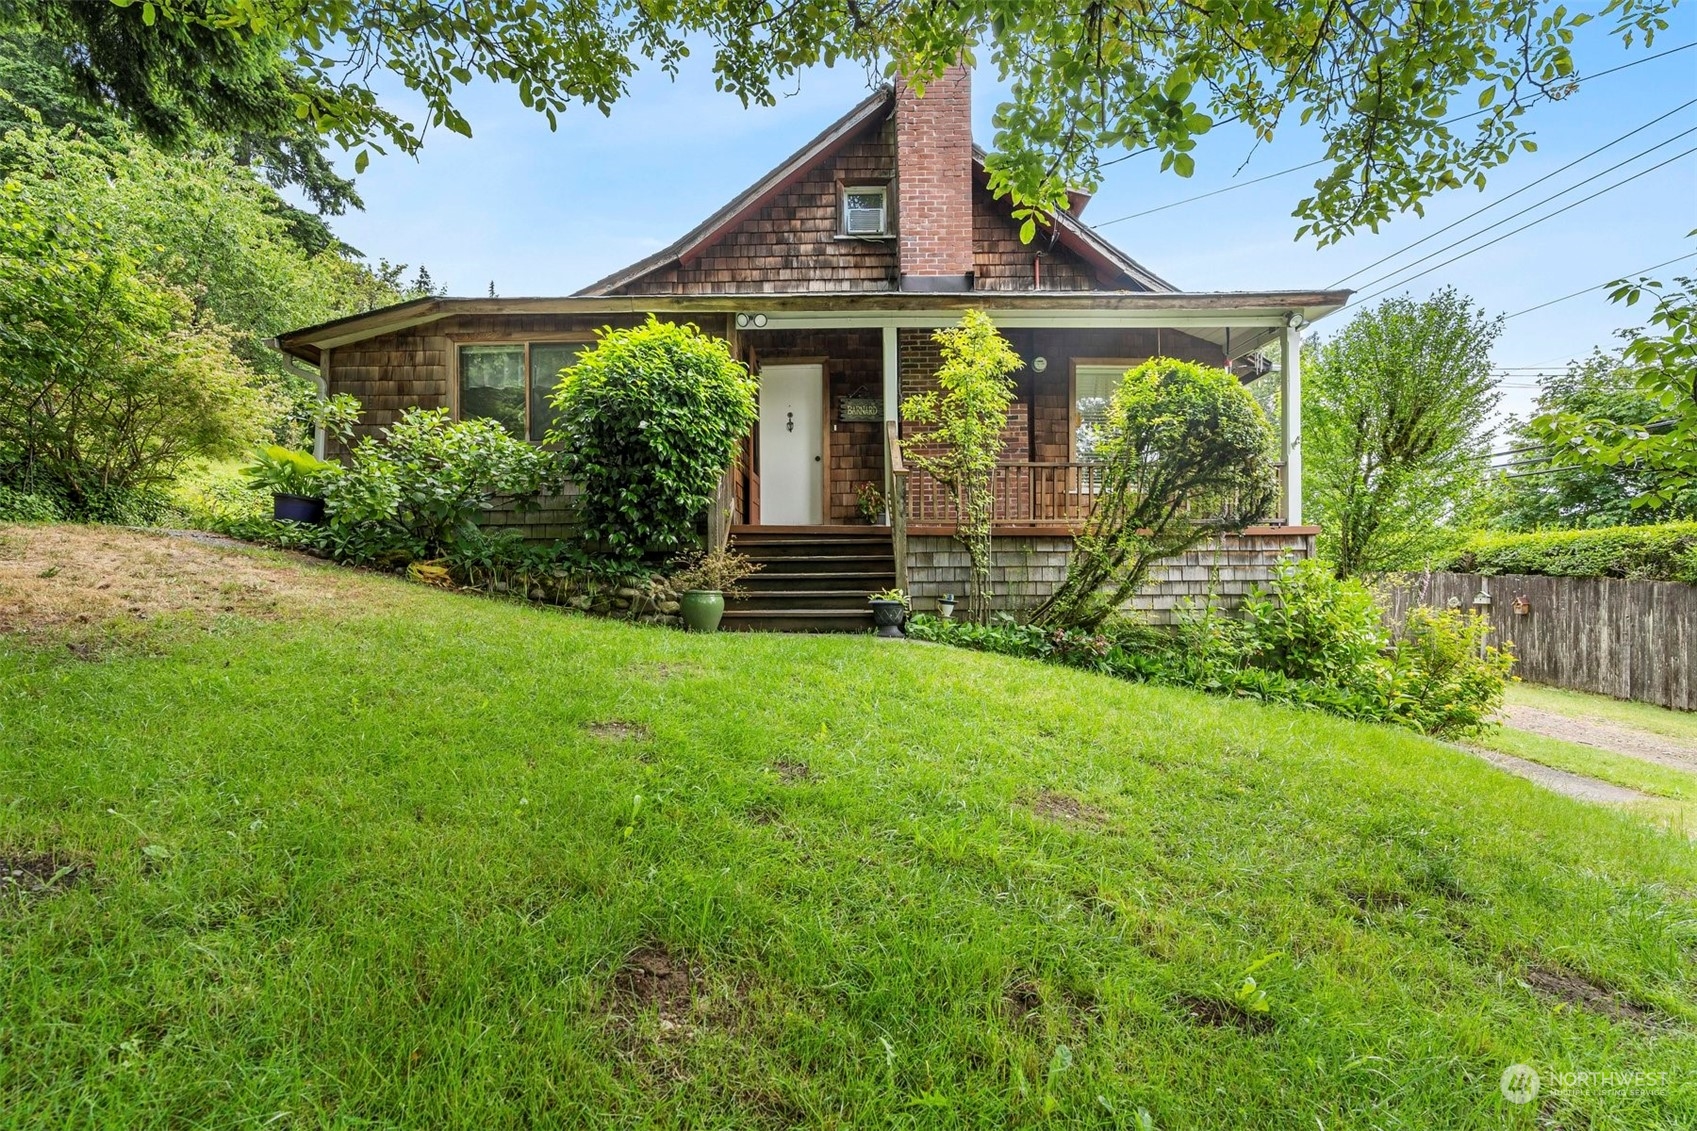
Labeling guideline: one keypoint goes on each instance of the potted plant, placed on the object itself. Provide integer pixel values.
(870, 500)
(889, 609)
(703, 581)
(295, 479)
(946, 606)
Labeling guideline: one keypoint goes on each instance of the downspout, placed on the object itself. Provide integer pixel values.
(320, 379)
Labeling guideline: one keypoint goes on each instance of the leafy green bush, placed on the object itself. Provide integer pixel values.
(413, 493)
(26, 506)
(647, 422)
(1185, 453)
(1657, 553)
(1310, 641)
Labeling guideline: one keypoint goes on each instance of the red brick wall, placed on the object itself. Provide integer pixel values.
(934, 170)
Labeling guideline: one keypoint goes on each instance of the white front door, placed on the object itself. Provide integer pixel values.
(792, 438)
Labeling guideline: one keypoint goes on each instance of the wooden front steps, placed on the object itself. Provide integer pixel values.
(812, 578)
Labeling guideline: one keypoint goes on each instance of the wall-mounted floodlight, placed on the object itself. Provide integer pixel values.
(744, 321)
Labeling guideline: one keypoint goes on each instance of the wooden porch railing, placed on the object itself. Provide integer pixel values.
(1026, 494)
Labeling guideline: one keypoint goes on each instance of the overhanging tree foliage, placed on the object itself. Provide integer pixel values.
(1396, 410)
(959, 438)
(1546, 489)
(1662, 450)
(1408, 99)
(1186, 453)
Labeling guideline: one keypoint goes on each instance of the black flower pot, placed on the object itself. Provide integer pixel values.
(297, 508)
(888, 616)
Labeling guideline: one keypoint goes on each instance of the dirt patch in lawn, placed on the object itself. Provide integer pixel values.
(791, 771)
(68, 581)
(1588, 994)
(1061, 807)
(42, 873)
(1604, 735)
(663, 670)
(653, 978)
(616, 730)
(1218, 1014)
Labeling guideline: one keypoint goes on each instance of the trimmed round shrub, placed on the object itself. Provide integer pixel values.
(647, 422)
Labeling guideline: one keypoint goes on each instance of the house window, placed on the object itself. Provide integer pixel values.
(866, 210)
(1093, 385)
(510, 383)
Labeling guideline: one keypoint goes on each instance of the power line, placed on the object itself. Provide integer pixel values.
(1298, 168)
(1600, 286)
(1453, 244)
(1504, 199)
(1523, 227)
(1206, 195)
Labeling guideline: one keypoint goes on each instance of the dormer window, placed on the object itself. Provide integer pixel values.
(866, 210)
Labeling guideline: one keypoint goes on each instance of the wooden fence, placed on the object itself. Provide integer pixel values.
(1629, 639)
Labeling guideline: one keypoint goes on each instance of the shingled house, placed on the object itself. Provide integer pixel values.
(828, 277)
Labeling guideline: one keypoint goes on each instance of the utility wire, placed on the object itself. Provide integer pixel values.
(1516, 231)
(1523, 188)
(1298, 168)
(1453, 244)
(1600, 286)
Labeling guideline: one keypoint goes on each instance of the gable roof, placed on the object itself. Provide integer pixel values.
(871, 109)
(1067, 230)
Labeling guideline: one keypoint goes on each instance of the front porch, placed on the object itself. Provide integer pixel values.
(831, 392)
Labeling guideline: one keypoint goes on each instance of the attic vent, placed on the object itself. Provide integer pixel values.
(866, 211)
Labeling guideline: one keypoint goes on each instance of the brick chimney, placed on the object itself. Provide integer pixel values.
(934, 183)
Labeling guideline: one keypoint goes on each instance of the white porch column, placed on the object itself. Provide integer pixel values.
(1290, 419)
(892, 376)
(892, 391)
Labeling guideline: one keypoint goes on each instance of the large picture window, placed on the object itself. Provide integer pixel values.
(510, 383)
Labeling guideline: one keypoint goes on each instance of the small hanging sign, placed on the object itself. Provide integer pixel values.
(859, 410)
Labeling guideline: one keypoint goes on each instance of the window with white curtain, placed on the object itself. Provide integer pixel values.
(1093, 385)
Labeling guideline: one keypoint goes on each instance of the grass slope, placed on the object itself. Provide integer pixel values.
(431, 861)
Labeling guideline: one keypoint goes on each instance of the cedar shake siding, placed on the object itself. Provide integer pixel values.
(1002, 262)
(793, 243)
(414, 368)
(934, 182)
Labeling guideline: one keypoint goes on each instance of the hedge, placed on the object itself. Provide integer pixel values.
(1654, 553)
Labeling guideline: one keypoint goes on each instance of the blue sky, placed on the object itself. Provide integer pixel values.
(541, 213)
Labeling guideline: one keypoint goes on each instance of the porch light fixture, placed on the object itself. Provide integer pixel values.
(1294, 320)
(744, 321)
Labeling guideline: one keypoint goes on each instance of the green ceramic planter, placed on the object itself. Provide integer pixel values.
(701, 609)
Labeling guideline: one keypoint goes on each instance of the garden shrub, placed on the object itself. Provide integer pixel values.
(1186, 453)
(1655, 553)
(957, 437)
(412, 494)
(1309, 641)
(26, 506)
(647, 422)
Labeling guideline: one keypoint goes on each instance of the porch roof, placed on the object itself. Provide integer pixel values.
(1253, 316)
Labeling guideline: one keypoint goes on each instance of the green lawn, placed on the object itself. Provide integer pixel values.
(430, 861)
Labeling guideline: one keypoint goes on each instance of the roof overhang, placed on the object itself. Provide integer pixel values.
(1252, 317)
